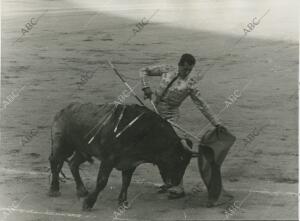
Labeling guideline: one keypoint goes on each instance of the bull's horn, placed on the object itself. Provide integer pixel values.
(188, 149)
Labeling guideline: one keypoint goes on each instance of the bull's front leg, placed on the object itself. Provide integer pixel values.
(102, 178)
(126, 179)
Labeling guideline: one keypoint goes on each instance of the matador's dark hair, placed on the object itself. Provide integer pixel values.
(188, 58)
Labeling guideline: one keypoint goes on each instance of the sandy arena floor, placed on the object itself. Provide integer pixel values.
(43, 69)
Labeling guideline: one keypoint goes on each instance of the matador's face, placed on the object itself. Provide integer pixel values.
(184, 70)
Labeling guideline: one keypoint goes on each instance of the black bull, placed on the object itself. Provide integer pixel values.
(107, 133)
(150, 139)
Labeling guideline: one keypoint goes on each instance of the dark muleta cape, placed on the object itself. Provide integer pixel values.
(214, 147)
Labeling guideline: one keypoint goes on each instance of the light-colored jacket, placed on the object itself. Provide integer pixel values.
(169, 104)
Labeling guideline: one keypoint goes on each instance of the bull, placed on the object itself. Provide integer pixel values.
(121, 137)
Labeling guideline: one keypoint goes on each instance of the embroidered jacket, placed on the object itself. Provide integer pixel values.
(168, 105)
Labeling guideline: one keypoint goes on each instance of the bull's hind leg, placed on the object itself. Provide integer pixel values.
(55, 165)
(102, 178)
(74, 164)
(126, 179)
(59, 153)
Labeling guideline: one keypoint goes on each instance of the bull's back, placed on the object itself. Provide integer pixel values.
(81, 120)
(78, 123)
(81, 114)
(76, 118)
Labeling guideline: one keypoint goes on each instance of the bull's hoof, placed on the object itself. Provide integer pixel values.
(87, 204)
(54, 193)
(82, 192)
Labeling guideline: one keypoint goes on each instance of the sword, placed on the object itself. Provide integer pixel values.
(176, 125)
(152, 103)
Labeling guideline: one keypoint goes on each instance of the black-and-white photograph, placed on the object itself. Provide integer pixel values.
(149, 110)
